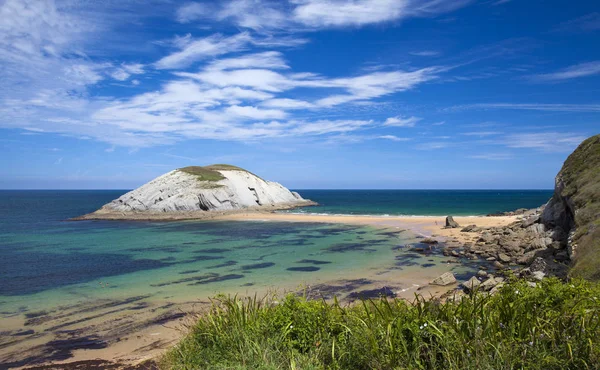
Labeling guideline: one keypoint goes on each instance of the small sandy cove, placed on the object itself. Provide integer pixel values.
(430, 226)
(141, 345)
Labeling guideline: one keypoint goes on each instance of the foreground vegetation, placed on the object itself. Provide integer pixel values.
(555, 325)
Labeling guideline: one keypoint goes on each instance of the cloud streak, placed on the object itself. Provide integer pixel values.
(545, 141)
(313, 14)
(569, 73)
(582, 108)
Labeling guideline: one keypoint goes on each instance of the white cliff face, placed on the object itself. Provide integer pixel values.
(179, 191)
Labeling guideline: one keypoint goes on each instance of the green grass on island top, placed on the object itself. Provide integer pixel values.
(555, 325)
(211, 173)
(203, 173)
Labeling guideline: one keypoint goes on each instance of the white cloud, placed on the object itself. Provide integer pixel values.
(255, 113)
(362, 87)
(340, 13)
(260, 79)
(192, 11)
(433, 145)
(546, 141)
(587, 23)
(425, 53)
(328, 13)
(402, 122)
(492, 156)
(575, 71)
(393, 138)
(263, 15)
(120, 75)
(534, 106)
(375, 85)
(254, 14)
(266, 60)
(286, 103)
(195, 50)
(133, 68)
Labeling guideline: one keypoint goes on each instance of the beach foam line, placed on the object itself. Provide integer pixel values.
(368, 215)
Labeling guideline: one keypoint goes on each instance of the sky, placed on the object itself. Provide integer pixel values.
(332, 94)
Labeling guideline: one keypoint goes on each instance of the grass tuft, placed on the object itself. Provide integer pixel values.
(555, 325)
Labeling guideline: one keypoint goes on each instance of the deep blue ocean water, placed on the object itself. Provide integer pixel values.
(423, 202)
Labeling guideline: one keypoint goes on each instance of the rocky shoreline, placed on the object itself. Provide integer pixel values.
(527, 248)
(561, 238)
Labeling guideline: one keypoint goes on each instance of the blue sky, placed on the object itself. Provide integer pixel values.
(311, 93)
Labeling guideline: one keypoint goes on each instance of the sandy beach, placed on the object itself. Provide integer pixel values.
(430, 226)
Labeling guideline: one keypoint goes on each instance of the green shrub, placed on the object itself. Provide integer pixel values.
(553, 326)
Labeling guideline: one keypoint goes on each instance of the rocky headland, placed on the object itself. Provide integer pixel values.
(560, 238)
(199, 192)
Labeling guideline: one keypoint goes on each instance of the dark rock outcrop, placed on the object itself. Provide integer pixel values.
(573, 213)
(450, 223)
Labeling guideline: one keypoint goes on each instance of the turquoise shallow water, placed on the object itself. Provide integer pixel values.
(47, 259)
(60, 279)
(42, 252)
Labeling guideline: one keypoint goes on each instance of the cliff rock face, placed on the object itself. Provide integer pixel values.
(574, 210)
(198, 190)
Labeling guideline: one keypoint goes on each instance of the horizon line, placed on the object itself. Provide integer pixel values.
(304, 189)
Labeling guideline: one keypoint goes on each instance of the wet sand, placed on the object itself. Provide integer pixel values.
(133, 331)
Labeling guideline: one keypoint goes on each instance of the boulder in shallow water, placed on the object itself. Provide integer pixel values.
(446, 278)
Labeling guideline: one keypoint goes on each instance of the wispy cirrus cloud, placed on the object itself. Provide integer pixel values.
(393, 138)
(571, 72)
(401, 121)
(545, 141)
(425, 53)
(191, 11)
(313, 14)
(492, 156)
(587, 23)
(530, 106)
(193, 50)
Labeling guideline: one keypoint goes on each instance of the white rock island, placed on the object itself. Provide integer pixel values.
(200, 192)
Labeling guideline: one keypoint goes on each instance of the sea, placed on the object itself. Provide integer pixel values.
(49, 265)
